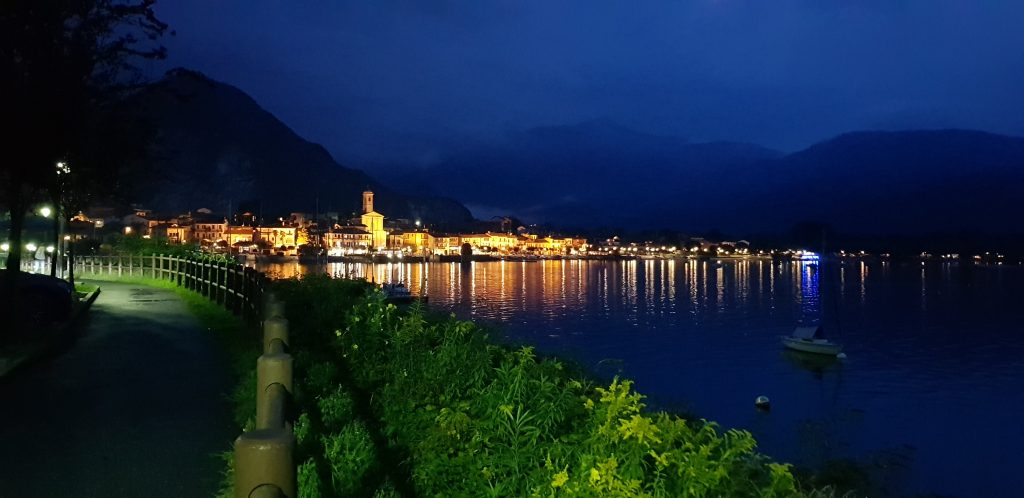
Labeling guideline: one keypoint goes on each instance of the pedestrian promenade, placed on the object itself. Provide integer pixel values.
(135, 407)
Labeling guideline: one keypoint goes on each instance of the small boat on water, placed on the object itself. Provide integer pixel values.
(398, 293)
(809, 340)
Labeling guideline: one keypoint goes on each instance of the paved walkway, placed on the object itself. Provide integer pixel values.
(135, 408)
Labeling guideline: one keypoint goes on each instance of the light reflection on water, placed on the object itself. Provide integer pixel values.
(932, 385)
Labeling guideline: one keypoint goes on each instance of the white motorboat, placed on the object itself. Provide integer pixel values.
(398, 293)
(809, 340)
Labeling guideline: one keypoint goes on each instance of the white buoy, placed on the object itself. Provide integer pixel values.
(763, 403)
(841, 356)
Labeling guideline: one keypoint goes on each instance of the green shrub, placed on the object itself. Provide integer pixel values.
(350, 455)
(243, 398)
(471, 418)
(308, 480)
(322, 377)
(386, 491)
(335, 408)
(303, 431)
(227, 478)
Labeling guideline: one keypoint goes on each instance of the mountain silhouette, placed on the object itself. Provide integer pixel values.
(598, 174)
(591, 174)
(215, 147)
(941, 181)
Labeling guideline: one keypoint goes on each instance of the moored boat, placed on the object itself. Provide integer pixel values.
(809, 340)
(398, 293)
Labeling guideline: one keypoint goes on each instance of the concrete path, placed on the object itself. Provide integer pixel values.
(136, 407)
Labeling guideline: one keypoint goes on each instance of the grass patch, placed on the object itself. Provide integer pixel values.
(87, 278)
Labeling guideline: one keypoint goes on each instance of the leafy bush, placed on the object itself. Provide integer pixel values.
(129, 244)
(350, 456)
(308, 480)
(335, 408)
(400, 401)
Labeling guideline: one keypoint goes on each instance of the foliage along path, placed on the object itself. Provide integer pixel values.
(135, 407)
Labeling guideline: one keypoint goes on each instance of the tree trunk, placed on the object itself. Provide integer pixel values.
(71, 263)
(56, 241)
(14, 234)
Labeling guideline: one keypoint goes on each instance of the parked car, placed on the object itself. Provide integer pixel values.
(36, 300)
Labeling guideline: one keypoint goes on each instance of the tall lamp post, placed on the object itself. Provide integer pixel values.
(63, 170)
(49, 260)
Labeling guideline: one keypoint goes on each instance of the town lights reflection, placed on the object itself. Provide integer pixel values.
(566, 288)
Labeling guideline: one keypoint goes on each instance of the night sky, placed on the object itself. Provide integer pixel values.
(411, 81)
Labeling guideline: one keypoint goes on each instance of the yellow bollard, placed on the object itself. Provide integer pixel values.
(264, 461)
(271, 369)
(272, 308)
(274, 328)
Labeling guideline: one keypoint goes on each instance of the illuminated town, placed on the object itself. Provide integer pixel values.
(371, 236)
(363, 236)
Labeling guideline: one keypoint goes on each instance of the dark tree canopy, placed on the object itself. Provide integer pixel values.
(64, 67)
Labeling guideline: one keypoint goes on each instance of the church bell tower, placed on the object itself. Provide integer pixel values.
(367, 202)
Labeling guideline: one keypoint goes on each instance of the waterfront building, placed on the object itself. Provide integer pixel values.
(414, 241)
(341, 240)
(575, 245)
(135, 223)
(396, 241)
(488, 242)
(236, 236)
(534, 244)
(446, 244)
(142, 212)
(172, 232)
(245, 218)
(374, 223)
(209, 229)
(179, 234)
(97, 222)
(281, 238)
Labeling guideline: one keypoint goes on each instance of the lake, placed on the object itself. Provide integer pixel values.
(928, 400)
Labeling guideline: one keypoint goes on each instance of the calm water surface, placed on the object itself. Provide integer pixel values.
(929, 400)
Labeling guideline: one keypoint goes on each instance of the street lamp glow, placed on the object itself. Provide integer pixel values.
(45, 211)
(49, 248)
(30, 246)
(5, 247)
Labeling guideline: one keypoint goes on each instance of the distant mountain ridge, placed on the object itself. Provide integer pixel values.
(215, 147)
(947, 181)
(909, 181)
(588, 174)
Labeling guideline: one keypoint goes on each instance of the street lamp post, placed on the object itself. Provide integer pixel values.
(63, 170)
(49, 256)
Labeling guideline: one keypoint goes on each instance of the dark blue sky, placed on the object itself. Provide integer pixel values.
(410, 81)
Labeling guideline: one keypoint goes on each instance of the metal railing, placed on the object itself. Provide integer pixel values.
(264, 457)
(237, 288)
